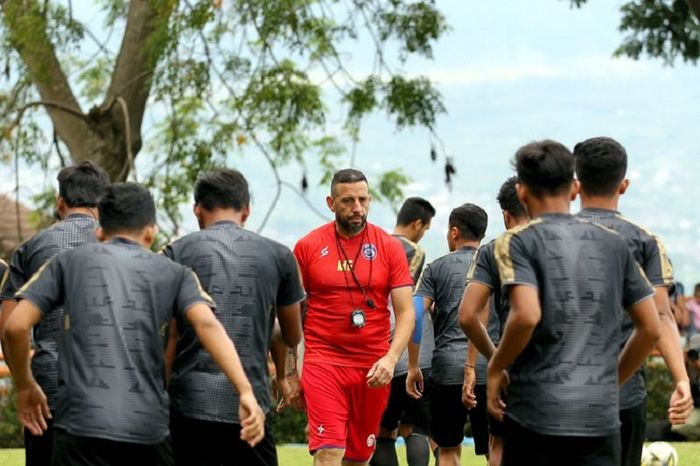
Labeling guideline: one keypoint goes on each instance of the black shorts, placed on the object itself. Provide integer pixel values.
(495, 427)
(448, 417)
(72, 450)
(632, 433)
(402, 409)
(524, 447)
(206, 443)
(38, 448)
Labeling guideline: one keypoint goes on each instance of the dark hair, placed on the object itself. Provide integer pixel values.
(697, 287)
(601, 164)
(82, 185)
(508, 199)
(545, 167)
(415, 208)
(471, 221)
(126, 207)
(224, 188)
(347, 175)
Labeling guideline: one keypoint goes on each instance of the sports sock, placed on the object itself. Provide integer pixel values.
(385, 453)
(417, 450)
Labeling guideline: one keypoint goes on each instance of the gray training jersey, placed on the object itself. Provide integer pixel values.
(443, 282)
(565, 380)
(416, 260)
(248, 276)
(484, 270)
(650, 254)
(75, 230)
(118, 302)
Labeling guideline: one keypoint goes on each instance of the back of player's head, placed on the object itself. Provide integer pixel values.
(415, 208)
(508, 199)
(82, 185)
(225, 189)
(601, 164)
(347, 175)
(545, 167)
(126, 207)
(471, 221)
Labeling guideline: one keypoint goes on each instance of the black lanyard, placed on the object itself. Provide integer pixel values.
(363, 289)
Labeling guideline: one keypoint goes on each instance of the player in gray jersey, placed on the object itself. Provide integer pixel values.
(441, 284)
(483, 314)
(252, 279)
(568, 283)
(79, 190)
(119, 299)
(404, 415)
(601, 164)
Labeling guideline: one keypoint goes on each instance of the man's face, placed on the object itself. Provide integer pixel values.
(350, 203)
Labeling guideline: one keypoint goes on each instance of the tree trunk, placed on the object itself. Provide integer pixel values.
(101, 135)
(694, 6)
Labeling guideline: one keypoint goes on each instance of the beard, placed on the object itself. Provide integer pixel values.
(349, 227)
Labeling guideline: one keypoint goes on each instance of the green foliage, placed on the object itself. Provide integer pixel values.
(288, 426)
(665, 29)
(11, 433)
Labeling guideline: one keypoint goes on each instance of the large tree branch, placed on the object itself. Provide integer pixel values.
(26, 25)
(141, 48)
(694, 6)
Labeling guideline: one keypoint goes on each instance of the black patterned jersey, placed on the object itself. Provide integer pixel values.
(565, 381)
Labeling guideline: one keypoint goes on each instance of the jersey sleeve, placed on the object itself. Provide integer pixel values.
(636, 285)
(515, 265)
(16, 275)
(290, 290)
(399, 274)
(191, 293)
(483, 268)
(657, 266)
(426, 284)
(416, 263)
(45, 288)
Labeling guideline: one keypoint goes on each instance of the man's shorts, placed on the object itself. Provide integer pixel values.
(402, 409)
(448, 417)
(343, 412)
(495, 427)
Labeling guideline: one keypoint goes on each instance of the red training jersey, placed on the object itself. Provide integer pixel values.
(329, 336)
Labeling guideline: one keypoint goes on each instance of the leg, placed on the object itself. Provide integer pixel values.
(366, 408)
(447, 418)
(236, 452)
(495, 450)
(450, 456)
(385, 454)
(416, 428)
(38, 448)
(632, 434)
(417, 450)
(329, 457)
(478, 417)
(194, 442)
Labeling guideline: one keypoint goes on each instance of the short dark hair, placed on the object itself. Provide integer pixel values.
(471, 221)
(545, 167)
(82, 185)
(601, 164)
(224, 188)
(347, 175)
(508, 198)
(415, 208)
(126, 207)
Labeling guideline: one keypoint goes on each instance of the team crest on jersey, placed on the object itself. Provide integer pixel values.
(370, 440)
(369, 251)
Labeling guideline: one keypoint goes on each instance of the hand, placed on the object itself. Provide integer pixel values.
(681, 404)
(296, 397)
(33, 409)
(497, 382)
(282, 393)
(468, 396)
(252, 419)
(414, 383)
(381, 372)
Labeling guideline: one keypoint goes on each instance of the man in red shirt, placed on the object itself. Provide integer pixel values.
(349, 269)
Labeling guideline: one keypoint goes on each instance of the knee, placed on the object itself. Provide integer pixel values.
(328, 457)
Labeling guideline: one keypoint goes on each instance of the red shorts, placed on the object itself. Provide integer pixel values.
(343, 411)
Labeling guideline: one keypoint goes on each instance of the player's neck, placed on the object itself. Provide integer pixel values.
(599, 202)
(89, 211)
(221, 215)
(461, 244)
(548, 205)
(406, 232)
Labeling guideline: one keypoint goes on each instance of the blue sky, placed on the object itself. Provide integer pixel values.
(510, 73)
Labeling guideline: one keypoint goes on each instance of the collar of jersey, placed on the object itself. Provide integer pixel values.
(224, 222)
(79, 215)
(555, 215)
(121, 240)
(598, 210)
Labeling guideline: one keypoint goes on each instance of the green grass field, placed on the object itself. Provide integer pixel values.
(688, 453)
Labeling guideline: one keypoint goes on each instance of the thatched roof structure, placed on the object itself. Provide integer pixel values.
(10, 235)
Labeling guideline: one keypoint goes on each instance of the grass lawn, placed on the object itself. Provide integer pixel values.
(688, 453)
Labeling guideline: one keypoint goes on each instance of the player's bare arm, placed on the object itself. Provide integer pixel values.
(468, 395)
(215, 340)
(414, 378)
(170, 350)
(32, 406)
(645, 335)
(7, 307)
(475, 304)
(382, 371)
(525, 314)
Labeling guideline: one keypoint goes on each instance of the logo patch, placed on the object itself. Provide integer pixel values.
(369, 251)
(320, 429)
(324, 251)
(370, 440)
